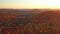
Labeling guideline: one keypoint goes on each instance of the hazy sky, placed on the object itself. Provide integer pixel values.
(55, 4)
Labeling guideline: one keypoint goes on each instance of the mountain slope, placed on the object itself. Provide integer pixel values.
(49, 19)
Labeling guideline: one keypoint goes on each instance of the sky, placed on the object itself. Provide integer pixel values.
(30, 4)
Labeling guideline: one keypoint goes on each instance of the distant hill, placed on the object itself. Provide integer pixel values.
(19, 11)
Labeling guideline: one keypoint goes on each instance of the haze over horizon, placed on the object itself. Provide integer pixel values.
(30, 4)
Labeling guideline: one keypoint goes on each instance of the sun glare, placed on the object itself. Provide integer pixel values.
(54, 4)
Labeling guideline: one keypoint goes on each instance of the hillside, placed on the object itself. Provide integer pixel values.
(49, 20)
(29, 21)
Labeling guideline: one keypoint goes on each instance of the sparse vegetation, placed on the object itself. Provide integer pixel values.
(33, 23)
